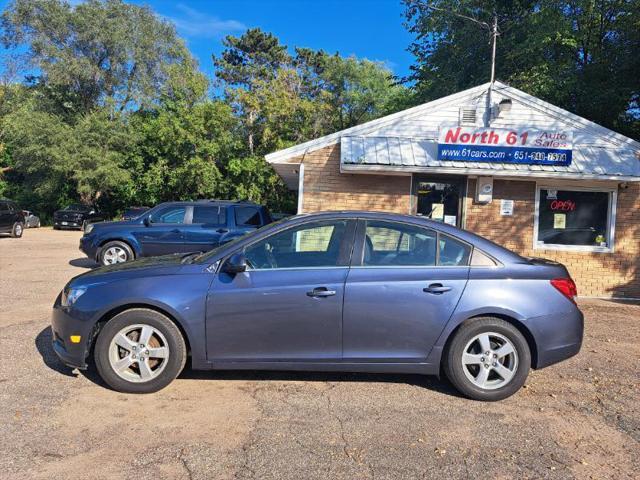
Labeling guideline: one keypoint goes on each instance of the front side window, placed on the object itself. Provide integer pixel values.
(208, 215)
(248, 217)
(173, 214)
(312, 245)
(574, 218)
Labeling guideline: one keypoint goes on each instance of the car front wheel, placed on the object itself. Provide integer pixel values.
(16, 231)
(115, 252)
(488, 359)
(139, 351)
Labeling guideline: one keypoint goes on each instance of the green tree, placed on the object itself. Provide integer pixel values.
(98, 52)
(578, 54)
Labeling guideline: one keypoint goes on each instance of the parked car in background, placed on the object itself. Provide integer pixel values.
(134, 212)
(334, 291)
(11, 218)
(76, 216)
(31, 220)
(173, 227)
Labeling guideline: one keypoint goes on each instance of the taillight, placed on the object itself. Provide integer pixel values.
(567, 287)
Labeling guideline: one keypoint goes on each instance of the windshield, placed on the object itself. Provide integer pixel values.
(135, 212)
(204, 257)
(75, 207)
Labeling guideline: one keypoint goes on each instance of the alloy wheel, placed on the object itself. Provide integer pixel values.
(114, 255)
(489, 360)
(138, 353)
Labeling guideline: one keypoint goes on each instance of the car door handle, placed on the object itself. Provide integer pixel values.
(436, 289)
(175, 230)
(320, 292)
(222, 230)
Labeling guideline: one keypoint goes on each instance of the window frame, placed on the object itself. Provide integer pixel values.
(612, 191)
(357, 257)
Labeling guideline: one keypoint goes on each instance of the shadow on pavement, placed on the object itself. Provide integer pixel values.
(83, 263)
(49, 357)
(423, 381)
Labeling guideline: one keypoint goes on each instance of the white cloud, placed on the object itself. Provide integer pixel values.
(192, 23)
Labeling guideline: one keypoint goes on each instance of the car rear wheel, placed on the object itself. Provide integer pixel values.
(139, 351)
(488, 359)
(115, 252)
(16, 231)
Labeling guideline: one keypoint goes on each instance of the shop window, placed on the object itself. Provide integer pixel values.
(575, 219)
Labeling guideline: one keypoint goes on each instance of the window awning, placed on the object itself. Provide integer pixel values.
(397, 154)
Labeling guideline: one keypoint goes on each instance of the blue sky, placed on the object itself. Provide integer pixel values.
(370, 29)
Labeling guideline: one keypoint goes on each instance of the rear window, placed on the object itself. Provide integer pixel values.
(211, 215)
(248, 216)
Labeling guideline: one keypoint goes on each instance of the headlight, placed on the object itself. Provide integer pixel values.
(70, 295)
(87, 228)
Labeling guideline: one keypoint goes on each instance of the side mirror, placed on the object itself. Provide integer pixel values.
(147, 222)
(236, 263)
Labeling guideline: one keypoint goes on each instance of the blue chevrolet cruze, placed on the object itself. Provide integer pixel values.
(333, 291)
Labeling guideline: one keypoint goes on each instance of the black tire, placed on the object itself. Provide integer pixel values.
(175, 361)
(55, 227)
(17, 230)
(455, 370)
(117, 244)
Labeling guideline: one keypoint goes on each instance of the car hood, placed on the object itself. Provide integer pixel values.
(117, 224)
(72, 212)
(143, 267)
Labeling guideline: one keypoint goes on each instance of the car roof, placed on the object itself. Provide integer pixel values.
(212, 202)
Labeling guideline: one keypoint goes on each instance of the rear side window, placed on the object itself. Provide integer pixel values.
(4, 206)
(248, 217)
(209, 215)
(453, 253)
(396, 244)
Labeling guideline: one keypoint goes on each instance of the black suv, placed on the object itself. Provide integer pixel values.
(11, 218)
(76, 216)
(173, 227)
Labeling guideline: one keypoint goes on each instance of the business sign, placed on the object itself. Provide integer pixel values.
(524, 146)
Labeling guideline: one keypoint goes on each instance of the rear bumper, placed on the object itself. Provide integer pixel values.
(557, 337)
(63, 325)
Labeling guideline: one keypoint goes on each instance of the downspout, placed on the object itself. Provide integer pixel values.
(301, 183)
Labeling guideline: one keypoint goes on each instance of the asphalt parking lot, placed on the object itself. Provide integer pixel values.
(578, 419)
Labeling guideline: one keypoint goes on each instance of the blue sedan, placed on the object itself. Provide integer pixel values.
(333, 291)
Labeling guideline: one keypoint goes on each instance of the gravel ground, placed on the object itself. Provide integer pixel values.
(579, 419)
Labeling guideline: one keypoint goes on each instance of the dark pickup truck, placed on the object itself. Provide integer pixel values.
(173, 227)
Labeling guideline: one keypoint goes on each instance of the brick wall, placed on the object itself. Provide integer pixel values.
(325, 188)
(596, 274)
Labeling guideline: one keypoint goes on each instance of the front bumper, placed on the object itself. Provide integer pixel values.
(87, 246)
(63, 326)
(67, 223)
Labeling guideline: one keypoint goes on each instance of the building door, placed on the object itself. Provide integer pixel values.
(439, 198)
